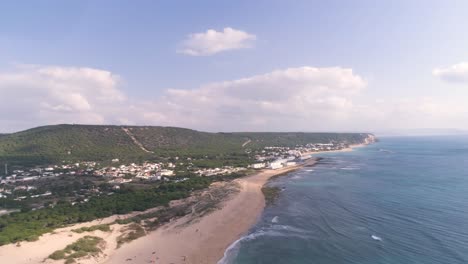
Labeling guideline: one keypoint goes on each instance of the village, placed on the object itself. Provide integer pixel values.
(22, 184)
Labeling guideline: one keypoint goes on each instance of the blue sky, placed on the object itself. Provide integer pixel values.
(393, 46)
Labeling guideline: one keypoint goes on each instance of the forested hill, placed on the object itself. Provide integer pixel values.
(57, 143)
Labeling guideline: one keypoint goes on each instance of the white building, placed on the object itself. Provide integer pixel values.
(275, 165)
(165, 173)
(258, 165)
(282, 161)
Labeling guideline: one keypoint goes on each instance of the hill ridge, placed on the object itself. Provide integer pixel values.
(70, 142)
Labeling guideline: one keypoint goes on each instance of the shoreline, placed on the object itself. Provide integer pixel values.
(206, 240)
(184, 240)
(181, 241)
(348, 149)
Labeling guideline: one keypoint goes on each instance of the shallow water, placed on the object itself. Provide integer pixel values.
(402, 200)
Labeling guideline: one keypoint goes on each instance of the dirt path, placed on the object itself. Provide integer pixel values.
(138, 143)
(247, 142)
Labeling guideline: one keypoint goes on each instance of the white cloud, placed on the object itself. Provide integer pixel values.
(457, 73)
(293, 99)
(37, 95)
(212, 42)
(296, 97)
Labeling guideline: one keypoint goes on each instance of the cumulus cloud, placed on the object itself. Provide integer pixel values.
(457, 73)
(303, 96)
(292, 99)
(36, 95)
(212, 42)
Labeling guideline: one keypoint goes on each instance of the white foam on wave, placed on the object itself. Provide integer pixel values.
(273, 231)
(350, 168)
(231, 251)
(275, 219)
(376, 238)
(286, 230)
(309, 170)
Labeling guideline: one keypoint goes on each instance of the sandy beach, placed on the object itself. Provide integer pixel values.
(206, 240)
(200, 241)
(183, 240)
(38, 251)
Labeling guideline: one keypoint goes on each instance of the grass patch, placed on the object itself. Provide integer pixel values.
(103, 228)
(132, 232)
(86, 246)
(138, 218)
(271, 194)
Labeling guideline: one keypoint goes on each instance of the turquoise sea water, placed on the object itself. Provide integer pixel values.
(402, 200)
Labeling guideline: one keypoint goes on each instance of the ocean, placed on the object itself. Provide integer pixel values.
(400, 201)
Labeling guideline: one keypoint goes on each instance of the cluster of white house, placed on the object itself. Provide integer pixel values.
(146, 171)
(48, 172)
(219, 171)
(269, 157)
(280, 157)
(276, 164)
(4, 192)
(21, 180)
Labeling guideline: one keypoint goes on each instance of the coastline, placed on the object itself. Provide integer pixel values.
(39, 250)
(183, 240)
(206, 240)
(350, 148)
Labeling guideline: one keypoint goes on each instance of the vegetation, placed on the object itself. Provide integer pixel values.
(130, 233)
(86, 246)
(54, 144)
(103, 228)
(29, 225)
(66, 143)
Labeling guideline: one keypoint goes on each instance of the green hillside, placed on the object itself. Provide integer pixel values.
(67, 142)
(51, 144)
(165, 140)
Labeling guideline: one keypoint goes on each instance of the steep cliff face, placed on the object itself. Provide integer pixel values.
(370, 139)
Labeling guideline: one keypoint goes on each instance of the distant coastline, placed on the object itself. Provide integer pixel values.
(308, 163)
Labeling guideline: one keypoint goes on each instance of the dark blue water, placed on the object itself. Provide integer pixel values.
(402, 200)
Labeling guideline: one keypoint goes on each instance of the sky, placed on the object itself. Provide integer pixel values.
(235, 65)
